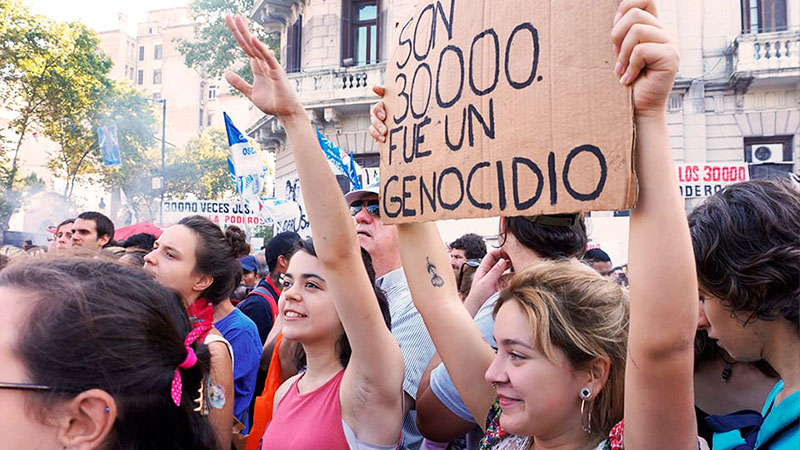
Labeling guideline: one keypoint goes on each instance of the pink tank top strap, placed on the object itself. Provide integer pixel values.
(308, 421)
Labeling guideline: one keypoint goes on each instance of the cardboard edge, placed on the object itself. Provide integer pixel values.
(633, 185)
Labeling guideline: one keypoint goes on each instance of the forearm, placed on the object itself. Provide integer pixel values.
(663, 282)
(331, 224)
(458, 341)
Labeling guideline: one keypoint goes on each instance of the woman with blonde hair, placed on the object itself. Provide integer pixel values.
(556, 378)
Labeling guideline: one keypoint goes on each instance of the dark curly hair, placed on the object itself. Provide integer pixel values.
(747, 248)
(218, 255)
(97, 324)
(473, 245)
(343, 344)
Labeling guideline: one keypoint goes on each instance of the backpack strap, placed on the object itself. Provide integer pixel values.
(266, 295)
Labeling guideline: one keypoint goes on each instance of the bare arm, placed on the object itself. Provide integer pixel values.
(659, 396)
(458, 341)
(434, 420)
(222, 375)
(373, 379)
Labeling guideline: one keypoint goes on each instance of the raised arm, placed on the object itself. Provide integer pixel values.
(659, 396)
(376, 361)
(458, 341)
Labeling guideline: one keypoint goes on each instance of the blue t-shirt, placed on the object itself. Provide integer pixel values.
(242, 334)
(780, 429)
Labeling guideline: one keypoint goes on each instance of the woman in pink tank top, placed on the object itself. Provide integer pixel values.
(329, 297)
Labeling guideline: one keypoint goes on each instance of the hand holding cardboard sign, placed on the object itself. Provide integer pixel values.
(270, 91)
(647, 55)
(377, 115)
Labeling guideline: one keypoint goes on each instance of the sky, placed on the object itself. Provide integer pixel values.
(98, 14)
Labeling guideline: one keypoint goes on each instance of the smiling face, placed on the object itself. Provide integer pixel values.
(538, 397)
(307, 308)
(744, 342)
(172, 262)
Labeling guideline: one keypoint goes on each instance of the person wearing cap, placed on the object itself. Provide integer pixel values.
(249, 279)
(261, 303)
(442, 415)
(380, 241)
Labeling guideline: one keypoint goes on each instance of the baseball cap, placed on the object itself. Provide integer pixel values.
(248, 263)
(356, 194)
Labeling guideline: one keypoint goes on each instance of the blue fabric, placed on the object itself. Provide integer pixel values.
(440, 381)
(776, 428)
(242, 334)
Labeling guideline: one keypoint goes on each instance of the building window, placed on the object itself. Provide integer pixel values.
(157, 76)
(200, 117)
(140, 80)
(360, 32)
(141, 53)
(293, 46)
(763, 16)
(212, 92)
(768, 156)
(158, 52)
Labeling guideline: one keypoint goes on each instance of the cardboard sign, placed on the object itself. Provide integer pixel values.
(705, 179)
(505, 108)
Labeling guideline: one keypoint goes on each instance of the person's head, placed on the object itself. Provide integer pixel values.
(747, 255)
(133, 256)
(598, 260)
(307, 308)
(63, 234)
(279, 251)
(143, 241)
(378, 239)
(196, 259)
(104, 341)
(563, 326)
(468, 246)
(92, 231)
(249, 270)
(552, 236)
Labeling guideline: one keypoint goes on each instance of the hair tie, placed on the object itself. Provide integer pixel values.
(188, 362)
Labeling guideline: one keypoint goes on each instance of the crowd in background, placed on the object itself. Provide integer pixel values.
(375, 336)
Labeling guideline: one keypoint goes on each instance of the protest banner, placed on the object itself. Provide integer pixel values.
(696, 180)
(505, 108)
(220, 212)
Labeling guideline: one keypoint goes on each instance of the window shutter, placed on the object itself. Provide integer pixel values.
(379, 30)
(347, 33)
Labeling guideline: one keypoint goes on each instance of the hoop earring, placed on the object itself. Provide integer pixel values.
(586, 424)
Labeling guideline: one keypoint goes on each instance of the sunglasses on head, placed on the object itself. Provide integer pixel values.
(372, 207)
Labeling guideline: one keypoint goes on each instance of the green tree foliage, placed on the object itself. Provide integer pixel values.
(201, 168)
(213, 50)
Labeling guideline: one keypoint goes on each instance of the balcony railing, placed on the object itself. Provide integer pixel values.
(768, 54)
(337, 86)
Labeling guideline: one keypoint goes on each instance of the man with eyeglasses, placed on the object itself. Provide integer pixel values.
(380, 241)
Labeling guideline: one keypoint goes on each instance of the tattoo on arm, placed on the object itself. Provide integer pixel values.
(436, 280)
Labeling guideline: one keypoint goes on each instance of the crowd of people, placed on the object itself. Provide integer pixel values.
(375, 336)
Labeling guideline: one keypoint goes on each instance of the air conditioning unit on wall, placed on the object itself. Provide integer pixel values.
(766, 153)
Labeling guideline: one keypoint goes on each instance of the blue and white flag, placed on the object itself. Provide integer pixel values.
(341, 163)
(278, 210)
(109, 145)
(245, 160)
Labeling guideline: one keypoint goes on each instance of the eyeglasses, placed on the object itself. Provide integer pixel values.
(36, 387)
(372, 207)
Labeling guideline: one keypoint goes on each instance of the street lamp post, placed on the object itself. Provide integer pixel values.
(163, 170)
